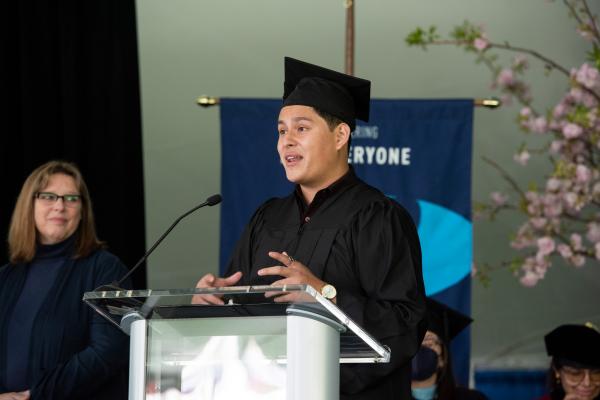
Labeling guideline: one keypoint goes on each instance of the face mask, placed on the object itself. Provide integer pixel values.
(424, 364)
(427, 393)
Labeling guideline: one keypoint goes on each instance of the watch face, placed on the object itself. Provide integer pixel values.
(328, 292)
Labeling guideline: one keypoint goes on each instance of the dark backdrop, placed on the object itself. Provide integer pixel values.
(69, 90)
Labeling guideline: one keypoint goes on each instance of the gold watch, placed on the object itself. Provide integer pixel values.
(328, 291)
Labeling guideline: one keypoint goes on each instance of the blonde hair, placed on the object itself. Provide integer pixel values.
(22, 234)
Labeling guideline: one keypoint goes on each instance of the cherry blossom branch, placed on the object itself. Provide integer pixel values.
(592, 20)
(588, 12)
(490, 45)
(509, 47)
(505, 175)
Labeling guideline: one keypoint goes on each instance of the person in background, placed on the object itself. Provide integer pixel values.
(432, 376)
(52, 345)
(574, 372)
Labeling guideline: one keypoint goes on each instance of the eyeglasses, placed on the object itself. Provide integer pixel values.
(576, 375)
(48, 198)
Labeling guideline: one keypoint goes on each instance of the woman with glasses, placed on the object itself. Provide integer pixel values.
(574, 372)
(52, 345)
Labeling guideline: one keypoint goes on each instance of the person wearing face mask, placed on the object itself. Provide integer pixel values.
(574, 372)
(52, 345)
(432, 376)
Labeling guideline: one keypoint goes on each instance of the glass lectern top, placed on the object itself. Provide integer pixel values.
(356, 345)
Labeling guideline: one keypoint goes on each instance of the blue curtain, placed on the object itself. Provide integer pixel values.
(418, 152)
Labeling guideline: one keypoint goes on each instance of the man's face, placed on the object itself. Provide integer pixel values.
(308, 149)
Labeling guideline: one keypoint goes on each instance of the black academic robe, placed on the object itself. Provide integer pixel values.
(74, 352)
(364, 244)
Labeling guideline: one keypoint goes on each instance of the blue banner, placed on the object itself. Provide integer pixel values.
(417, 152)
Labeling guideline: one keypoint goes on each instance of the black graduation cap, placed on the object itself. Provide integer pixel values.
(445, 321)
(343, 96)
(579, 344)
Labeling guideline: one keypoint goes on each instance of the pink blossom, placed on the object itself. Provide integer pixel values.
(538, 125)
(481, 44)
(533, 271)
(571, 130)
(474, 270)
(552, 206)
(556, 146)
(520, 61)
(593, 232)
(499, 199)
(585, 32)
(525, 112)
(522, 157)
(570, 199)
(583, 173)
(553, 125)
(578, 260)
(553, 184)
(538, 222)
(545, 245)
(559, 110)
(587, 76)
(529, 279)
(576, 241)
(578, 96)
(532, 196)
(523, 238)
(505, 77)
(564, 250)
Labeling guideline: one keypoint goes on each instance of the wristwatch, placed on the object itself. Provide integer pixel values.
(328, 291)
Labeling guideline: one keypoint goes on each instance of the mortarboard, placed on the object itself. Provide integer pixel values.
(444, 321)
(578, 344)
(343, 96)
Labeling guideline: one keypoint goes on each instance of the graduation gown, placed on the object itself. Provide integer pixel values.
(366, 245)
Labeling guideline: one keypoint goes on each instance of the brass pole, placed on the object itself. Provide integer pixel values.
(208, 101)
(349, 54)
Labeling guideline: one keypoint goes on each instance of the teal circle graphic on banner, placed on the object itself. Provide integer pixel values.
(446, 244)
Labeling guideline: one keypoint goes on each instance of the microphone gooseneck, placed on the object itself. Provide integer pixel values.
(211, 201)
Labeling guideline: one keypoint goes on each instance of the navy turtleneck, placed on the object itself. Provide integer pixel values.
(41, 275)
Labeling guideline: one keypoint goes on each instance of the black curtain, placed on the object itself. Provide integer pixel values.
(70, 90)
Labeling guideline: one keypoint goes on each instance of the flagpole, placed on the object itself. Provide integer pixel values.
(349, 53)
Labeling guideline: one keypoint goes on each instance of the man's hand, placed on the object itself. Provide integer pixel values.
(210, 281)
(293, 273)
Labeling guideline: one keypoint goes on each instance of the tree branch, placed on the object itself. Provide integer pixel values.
(531, 52)
(534, 53)
(505, 175)
(592, 20)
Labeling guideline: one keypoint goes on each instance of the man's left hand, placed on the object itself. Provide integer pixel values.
(293, 273)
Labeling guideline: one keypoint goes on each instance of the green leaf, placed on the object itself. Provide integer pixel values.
(515, 265)
(594, 56)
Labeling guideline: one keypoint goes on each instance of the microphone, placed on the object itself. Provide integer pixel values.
(211, 201)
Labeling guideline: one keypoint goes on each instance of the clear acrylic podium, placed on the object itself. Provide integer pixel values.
(249, 347)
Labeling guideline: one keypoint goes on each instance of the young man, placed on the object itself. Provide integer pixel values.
(334, 232)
